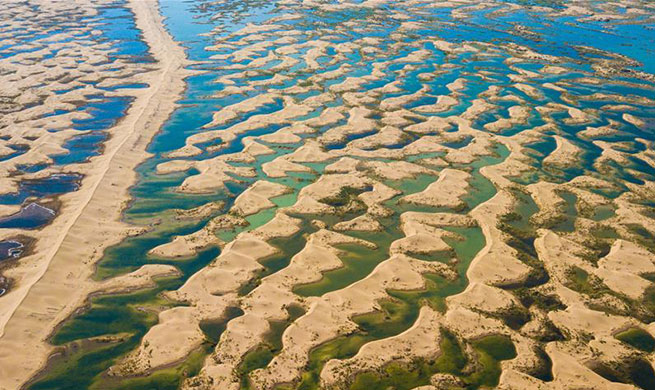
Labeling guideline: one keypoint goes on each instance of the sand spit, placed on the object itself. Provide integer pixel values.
(445, 192)
(565, 155)
(258, 197)
(55, 280)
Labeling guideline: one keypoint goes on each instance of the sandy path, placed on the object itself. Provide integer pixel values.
(57, 281)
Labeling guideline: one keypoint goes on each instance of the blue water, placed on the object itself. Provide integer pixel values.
(118, 30)
(52, 185)
(190, 23)
(31, 216)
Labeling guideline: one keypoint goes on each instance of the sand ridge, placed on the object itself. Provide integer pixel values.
(29, 318)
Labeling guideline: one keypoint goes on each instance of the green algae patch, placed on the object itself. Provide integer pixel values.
(169, 378)
(397, 315)
(514, 317)
(358, 261)
(436, 290)
(69, 359)
(339, 348)
(546, 302)
(637, 338)
(133, 251)
(582, 282)
(115, 314)
(213, 329)
(400, 311)
(489, 351)
(130, 314)
(262, 355)
(344, 197)
(521, 236)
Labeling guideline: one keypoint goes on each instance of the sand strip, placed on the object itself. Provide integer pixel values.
(58, 281)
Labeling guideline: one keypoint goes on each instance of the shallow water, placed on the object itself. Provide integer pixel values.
(52, 185)
(155, 196)
(113, 27)
(31, 216)
(10, 249)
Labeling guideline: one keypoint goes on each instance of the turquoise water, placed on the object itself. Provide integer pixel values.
(155, 197)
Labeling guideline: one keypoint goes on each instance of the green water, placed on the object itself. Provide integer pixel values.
(213, 329)
(132, 253)
(358, 261)
(489, 352)
(264, 216)
(400, 311)
(287, 247)
(133, 314)
(521, 235)
(569, 213)
(637, 338)
(417, 184)
(482, 188)
(262, 355)
(130, 314)
(602, 213)
(171, 377)
(163, 379)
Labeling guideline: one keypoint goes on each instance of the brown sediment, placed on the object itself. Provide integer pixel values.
(27, 249)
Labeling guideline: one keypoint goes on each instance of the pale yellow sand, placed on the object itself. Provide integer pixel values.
(55, 280)
(471, 314)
